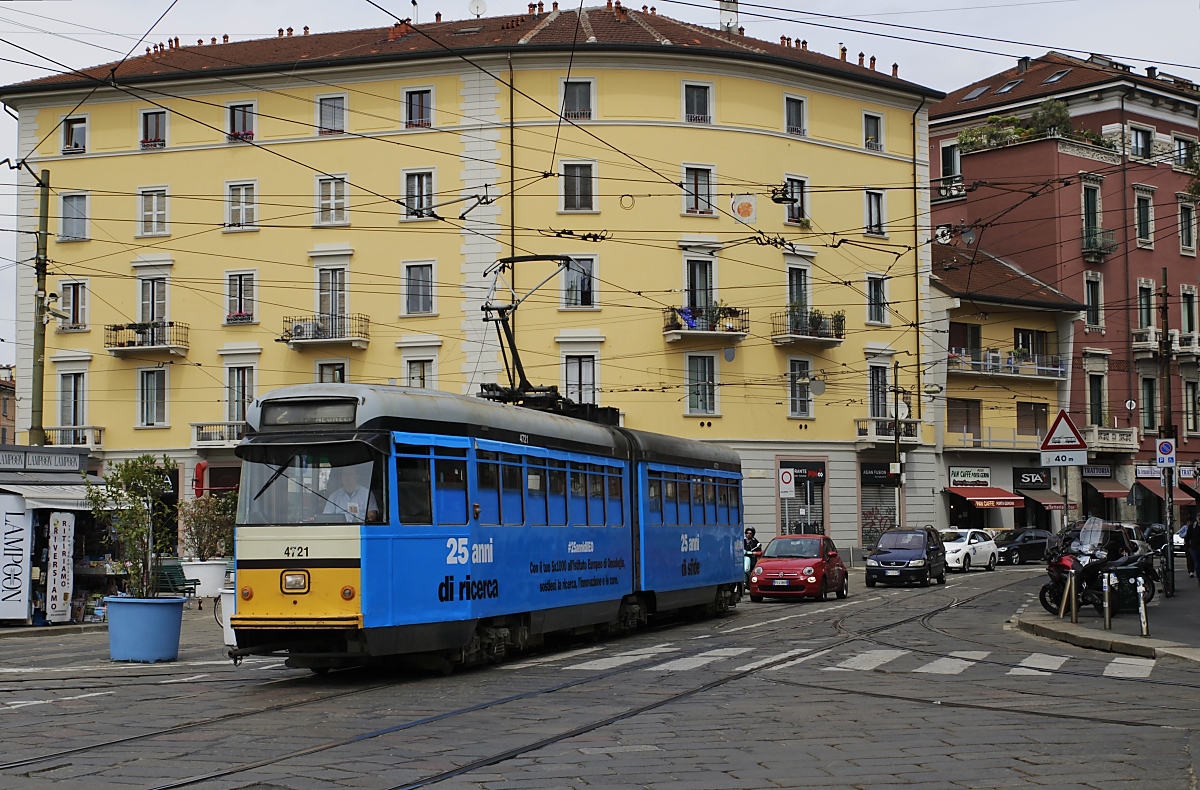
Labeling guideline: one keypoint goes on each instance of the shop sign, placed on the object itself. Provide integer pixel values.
(21, 460)
(970, 476)
(1187, 473)
(14, 569)
(813, 471)
(61, 567)
(1031, 477)
(1097, 471)
(1146, 472)
(876, 474)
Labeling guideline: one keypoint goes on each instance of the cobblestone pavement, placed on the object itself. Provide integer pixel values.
(885, 689)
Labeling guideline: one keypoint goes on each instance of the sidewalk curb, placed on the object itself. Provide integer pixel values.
(1050, 627)
(30, 632)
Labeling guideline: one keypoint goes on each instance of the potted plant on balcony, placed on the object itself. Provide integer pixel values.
(241, 317)
(206, 526)
(797, 314)
(816, 323)
(673, 322)
(837, 323)
(141, 626)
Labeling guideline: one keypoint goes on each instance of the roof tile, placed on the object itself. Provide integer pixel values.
(981, 276)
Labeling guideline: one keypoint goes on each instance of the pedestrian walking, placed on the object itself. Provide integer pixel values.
(1187, 555)
(1191, 545)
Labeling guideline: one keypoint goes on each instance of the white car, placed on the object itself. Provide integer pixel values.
(970, 547)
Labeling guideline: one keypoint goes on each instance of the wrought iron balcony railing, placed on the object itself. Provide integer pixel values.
(883, 429)
(90, 436)
(327, 329)
(711, 318)
(217, 434)
(798, 324)
(146, 336)
(1098, 243)
(993, 361)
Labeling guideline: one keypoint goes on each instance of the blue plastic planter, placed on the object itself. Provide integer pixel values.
(144, 629)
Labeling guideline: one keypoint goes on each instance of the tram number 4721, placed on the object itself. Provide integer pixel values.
(295, 551)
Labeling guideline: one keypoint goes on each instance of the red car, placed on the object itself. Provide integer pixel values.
(799, 566)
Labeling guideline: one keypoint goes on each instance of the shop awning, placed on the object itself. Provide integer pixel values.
(1046, 498)
(1109, 489)
(51, 497)
(986, 496)
(1179, 496)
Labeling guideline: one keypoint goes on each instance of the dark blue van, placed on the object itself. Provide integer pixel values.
(907, 554)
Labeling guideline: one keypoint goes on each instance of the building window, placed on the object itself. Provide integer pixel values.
(877, 390)
(1145, 306)
(696, 106)
(872, 132)
(418, 109)
(73, 302)
(331, 372)
(1191, 391)
(418, 195)
(418, 288)
(1145, 220)
(793, 110)
(797, 195)
(331, 115)
(239, 392)
(152, 212)
(798, 297)
(1149, 404)
(1093, 299)
(578, 194)
(154, 129)
(1187, 310)
(963, 417)
(875, 219)
(697, 190)
(877, 305)
(331, 292)
(241, 298)
(1096, 400)
(965, 341)
(701, 384)
(1140, 142)
(1091, 214)
(1031, 419)
(1185, 153)
(699, 288)
(1056, 76)
(242, 208)
(580, 378)
(577, 101)
(74, 136)
(1008, 86)
(799, 394)
(951, 163)
(420, 373)
(152, 397)
(70, 399)
(579, 283)
(74, 218)
(1187, 227)
(241, 122)
(331, 201)
(153, 299)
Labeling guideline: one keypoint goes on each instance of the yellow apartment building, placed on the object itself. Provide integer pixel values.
(746, 222)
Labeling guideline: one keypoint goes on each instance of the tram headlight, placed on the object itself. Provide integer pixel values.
(247, 593)
(348, 593)
(295, 582)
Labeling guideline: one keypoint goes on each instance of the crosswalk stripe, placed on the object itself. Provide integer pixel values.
(954, 665)
(533, 662)
(1031, 664)
(802, 659)
(694, 662)
(621, 659)
(867, 661)
(1126, 667)
(771, 659)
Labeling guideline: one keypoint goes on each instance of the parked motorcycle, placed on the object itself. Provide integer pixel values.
(1088, 555)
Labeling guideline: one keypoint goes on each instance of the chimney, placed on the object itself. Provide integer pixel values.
(281, 32)
(306, 30)
(532, 8)
(1152, 72)
(289, 32)
(541, 8)
(895, 69)
(1022, 65)
(789, 42)
(609, 6)
(843, 53)
(177, 42)
(653, 11)
(645, 8)
(804, 45)
(225, 38)
(214, 40)
(872, 63)
(741, 31)
(199, 42)
(783, 41)
(148, 50)
(860, 58)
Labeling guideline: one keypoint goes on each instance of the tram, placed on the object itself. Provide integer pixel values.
(377, 522)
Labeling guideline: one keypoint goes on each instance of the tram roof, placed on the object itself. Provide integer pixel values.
(657, 447)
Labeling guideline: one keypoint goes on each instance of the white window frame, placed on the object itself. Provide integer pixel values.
(887, 299)
(562, 190)
(319, 130)
(253, 298)
(433, 289)
(229, 105)
(405, 123)
(230, 227)
(883, 213)
(62, 217)
(430, 216)
(1154, 410)
(1143, 191)
(882, 131)
(154, 274)
(1175, 136)
(708, 256)
(1153, 133)
(562, 96)
(888, 384)
(344, 268)
(712, 190)
(803, 114)
(63, 284)
(343, 361)
(166, 140)
(87, 133)
(73, 369)
(567, 356)
(1098, 278)
(1191, 412)
(564, 280)
(687, 385)
(229, 368)
(1189, 290)
(141, 424)
(805, 217)
(317, 181)
(712, 96)
(142, 192)
(951, 142)
(1185, 249)
(430, 375)
(1149, 286)
(792, 413)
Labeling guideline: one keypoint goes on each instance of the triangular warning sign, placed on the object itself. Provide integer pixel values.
(1063, 435)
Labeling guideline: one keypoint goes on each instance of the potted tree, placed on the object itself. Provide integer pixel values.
(207, 530)
(141, 626)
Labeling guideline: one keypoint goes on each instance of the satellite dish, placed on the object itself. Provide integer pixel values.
(729, 20)
(729, 354)
(477, 7)
(903, 411)
(816, 387)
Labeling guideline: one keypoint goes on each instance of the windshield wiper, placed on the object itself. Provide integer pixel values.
(274, 477)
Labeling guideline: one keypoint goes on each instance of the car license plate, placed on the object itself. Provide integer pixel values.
(892, 573)
(780, 582)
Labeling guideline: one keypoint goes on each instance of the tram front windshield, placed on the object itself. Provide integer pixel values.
(298, 484)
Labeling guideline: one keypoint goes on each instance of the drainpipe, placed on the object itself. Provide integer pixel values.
(917, 261)
(512, 178)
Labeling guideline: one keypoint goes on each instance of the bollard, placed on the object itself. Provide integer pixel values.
(1068, 590)
(1141, 590)
(1074, 598)
(1108, 581)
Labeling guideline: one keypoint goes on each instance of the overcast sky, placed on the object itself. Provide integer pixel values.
(86, 32)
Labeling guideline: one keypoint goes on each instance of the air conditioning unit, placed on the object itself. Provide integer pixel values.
(305, 330)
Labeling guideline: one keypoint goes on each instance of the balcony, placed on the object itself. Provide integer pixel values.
(217, 434)
(808, 326)
(990, 439)
(1146, 342)
(713, 321)
(1098, 244)
(147, 145)
(326, 330)
(797, 131)
(692, 117)
(948, 188)
(994, 362)
(234, 137)
(882, 430)
(874, 145)
(578, 115)
(146, 336)
(89, 436)
(1187, 346)
(1120, 440)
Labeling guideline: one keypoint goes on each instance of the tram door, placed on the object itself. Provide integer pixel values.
(804, 513)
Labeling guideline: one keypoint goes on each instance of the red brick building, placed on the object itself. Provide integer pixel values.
(1099, 210)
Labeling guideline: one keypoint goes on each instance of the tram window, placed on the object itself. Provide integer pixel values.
(451, 491)
(411, 449)
(735, 503)
(577, 502)
(710, 501)
(722, 502)
(685, 501)
(489, 487)
(413, 490)
(535, 500)
(556, 502)
(670, 503)
(595, 495)
(655, 491)
(512, 491)
(616, 500)
(295, 484)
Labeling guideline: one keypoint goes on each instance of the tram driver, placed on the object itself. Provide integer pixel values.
(352, 499)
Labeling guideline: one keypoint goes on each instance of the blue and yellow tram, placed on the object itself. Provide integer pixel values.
(381, 521)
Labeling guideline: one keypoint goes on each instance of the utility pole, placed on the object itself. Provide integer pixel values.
(37, 430)
(1166, 430)
(896, 432)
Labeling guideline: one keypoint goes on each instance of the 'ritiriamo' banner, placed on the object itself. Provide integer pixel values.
(14, 563)
(61, 576)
